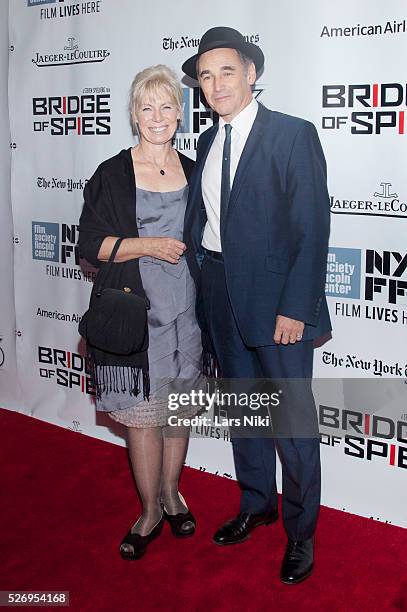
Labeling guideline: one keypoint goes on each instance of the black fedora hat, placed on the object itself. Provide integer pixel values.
(221, 38)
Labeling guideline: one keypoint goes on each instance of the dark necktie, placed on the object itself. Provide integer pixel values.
(225, 184)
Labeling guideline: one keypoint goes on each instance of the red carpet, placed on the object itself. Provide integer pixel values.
(68, 499)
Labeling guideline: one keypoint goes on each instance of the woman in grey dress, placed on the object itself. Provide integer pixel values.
(157, 450)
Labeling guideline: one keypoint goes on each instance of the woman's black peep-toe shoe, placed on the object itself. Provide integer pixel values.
(179, 522)
(138, 542)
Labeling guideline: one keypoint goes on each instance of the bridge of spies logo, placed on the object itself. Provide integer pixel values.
(365, 436)
(58, 242)
(65, 368)
(70, 55)
(84, 115)
(374, 108)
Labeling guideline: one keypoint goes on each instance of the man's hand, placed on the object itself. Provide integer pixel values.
(288, 331)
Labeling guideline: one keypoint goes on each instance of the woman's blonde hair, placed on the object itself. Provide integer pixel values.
(148, 82)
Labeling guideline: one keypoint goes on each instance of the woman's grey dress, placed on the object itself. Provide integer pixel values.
(175, 349)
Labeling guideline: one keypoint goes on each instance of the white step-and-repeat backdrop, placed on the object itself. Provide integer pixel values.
(339, 65)
(9, 387)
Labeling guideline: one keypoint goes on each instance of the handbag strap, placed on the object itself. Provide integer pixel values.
(114, 251)
(110, 262)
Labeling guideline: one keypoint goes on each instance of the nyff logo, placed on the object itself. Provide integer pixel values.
(55, 242)
(197, 117)
(386, 274)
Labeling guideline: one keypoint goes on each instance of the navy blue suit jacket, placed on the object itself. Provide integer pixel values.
(275, 236)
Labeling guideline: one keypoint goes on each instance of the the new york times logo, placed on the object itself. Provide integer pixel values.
(174, 43)
(386, 275)
(375, 108)
(68, 184)
(84, 115)
(66, 368)
(366, 436)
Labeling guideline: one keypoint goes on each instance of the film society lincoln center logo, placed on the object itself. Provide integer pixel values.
(71, 53)
(57, 245)
(375, 281)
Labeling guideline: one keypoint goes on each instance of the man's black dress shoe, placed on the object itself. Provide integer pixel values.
(238, 529)
(298, 561)
(133, 546)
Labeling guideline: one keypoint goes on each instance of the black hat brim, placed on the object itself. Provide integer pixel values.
(251, 51)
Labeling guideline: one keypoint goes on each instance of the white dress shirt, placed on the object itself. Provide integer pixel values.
(212, 172)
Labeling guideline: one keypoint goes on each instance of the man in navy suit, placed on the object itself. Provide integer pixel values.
(257, 228)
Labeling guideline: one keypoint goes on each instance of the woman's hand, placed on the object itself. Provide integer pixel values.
(167, 249)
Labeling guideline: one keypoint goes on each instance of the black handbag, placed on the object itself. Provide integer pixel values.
(116, 320)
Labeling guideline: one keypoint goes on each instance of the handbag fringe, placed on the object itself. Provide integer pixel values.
(113, 378)
(210, 363)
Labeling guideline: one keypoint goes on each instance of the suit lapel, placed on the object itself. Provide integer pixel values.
(248, 153)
